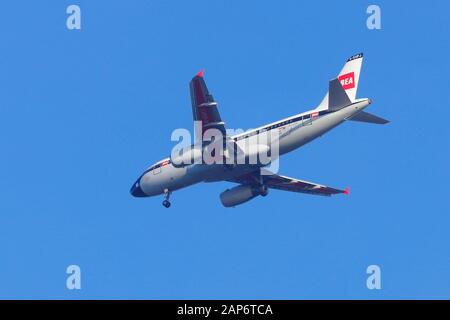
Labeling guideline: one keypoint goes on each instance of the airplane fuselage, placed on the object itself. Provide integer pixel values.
(293, 132)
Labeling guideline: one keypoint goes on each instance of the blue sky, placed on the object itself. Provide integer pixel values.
(83, 113)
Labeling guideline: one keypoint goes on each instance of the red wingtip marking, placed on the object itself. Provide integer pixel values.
(200, 74)
(347, 191)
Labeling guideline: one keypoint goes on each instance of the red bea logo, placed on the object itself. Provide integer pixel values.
(347, 80)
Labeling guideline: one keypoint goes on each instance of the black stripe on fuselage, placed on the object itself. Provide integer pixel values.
(283, 123)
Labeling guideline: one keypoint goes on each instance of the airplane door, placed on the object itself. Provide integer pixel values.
(157, 170)
(307, 120)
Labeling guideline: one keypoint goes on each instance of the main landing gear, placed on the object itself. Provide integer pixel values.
(166, 202)
(263, 190)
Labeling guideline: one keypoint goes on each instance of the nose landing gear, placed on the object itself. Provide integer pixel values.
(166, 202)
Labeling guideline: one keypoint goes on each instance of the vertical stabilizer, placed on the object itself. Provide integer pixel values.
(348, 78)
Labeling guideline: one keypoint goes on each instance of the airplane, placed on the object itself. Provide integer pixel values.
(339, 105)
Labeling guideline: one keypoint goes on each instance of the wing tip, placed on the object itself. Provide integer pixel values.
(200, 73)
(347, 191)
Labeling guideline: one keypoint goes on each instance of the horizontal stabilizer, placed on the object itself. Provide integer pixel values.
(368, 117)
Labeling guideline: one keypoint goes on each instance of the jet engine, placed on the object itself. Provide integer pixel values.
(240, 194)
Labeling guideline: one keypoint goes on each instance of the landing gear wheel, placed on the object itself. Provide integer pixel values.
(166, 203)
(263, 190)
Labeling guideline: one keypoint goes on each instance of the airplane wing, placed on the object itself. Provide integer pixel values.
(296, 185)
(204, 107)
(289, 184)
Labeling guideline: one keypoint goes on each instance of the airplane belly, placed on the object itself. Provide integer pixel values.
(308, 132)
(171, 178)
(229, 172)
(208, 173)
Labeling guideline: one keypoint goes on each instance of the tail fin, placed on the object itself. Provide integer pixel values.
(348, 78)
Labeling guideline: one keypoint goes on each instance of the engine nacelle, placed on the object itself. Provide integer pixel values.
(240, 194)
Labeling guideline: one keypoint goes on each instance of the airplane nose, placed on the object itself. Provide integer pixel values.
(136, 190)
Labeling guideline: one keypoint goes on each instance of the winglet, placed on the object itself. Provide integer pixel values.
(200, 73)
(347, 191)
